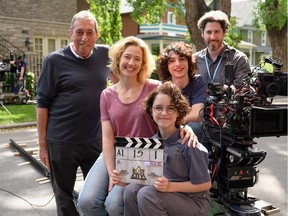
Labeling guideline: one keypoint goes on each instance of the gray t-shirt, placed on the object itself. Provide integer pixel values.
(183, 163)
(214, 72)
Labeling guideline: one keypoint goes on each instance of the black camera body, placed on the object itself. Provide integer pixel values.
(246, 114)
(269, 84)
(232, 120)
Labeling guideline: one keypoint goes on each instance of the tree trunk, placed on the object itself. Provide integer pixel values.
(194, 10)
(278, 40)
(223, 5)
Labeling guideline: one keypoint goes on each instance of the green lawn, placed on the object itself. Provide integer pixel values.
(19, 113)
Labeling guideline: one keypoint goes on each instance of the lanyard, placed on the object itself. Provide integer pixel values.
(208, 70)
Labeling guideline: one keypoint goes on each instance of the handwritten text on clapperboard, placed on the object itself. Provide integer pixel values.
(139, 160)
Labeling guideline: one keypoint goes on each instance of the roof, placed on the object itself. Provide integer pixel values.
(244, 44)
(160, 37)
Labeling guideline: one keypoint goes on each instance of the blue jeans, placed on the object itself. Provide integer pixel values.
(94, 198)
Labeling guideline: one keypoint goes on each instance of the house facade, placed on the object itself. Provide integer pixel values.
(35, 29)
(170, 29)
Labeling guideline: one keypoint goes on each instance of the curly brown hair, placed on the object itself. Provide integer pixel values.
(181, 49)
(178, 100)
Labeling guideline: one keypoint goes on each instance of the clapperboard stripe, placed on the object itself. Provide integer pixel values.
(138, 142)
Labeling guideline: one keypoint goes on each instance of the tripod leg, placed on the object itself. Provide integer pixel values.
(5, 108)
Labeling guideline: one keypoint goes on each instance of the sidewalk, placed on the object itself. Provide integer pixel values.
(23, 190)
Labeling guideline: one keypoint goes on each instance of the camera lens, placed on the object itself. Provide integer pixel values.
(272, 90)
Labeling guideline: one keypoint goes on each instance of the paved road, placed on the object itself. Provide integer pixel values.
(23, 180)
(23, 190)
(272, 184)
(20, 179)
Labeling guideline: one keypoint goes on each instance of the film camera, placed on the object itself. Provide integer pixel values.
(271, 84)
(232, 119)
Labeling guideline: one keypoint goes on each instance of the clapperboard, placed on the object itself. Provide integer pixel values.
(139, 160)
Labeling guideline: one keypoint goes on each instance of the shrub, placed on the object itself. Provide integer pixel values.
(30, 86)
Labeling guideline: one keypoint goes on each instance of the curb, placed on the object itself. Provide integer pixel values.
(19, 125)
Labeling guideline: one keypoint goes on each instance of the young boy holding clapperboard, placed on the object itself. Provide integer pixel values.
(184, 188)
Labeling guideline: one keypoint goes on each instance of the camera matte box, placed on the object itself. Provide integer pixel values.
(269, 120)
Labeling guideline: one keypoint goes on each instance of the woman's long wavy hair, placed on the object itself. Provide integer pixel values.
(116, 51)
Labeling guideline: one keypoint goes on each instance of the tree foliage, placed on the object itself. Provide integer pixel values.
(233, 36)
(152, 11)
(273, 15)
(149, 11)
(107, 13)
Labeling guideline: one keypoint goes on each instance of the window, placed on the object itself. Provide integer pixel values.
(250, 36)
(171, 18)
(263, 38)
(51, 45)
(44, 46)
(39, 48)
(63, 43)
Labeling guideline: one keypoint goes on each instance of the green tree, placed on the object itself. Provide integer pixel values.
(233, 36)
(273, 15)
(152, 11)
(149, 11)
(107, 13)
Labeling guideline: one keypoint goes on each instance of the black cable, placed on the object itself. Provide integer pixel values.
(31, 204)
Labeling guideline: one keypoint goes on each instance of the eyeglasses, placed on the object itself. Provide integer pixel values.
(169, 109)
